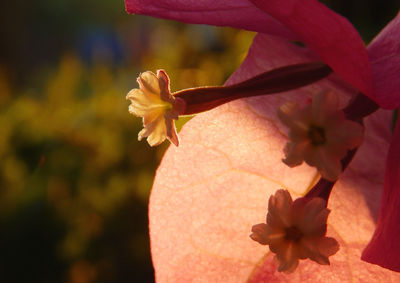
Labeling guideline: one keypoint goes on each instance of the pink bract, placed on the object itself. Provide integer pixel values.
(209, 192)
(384, 54)
(384, 247)
(328, 34)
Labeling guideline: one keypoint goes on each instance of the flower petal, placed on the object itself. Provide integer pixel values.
(384, 248)
(328, 34)
(279, 209)
(294, 153)
(314, 218)
(210, 191)
(319, 249)
(149, 81)
(260, 233)
(327, 163)
(384, 53)
(347, 136)
(163, 82)
(172, 135)
(324, 103)
(238, 14)
(287, 259)
(155, 131)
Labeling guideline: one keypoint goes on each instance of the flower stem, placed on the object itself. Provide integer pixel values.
(323, 188)
(275, 81)
(360, 107)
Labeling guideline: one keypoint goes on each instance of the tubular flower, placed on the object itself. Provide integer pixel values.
(158, 107)
(154, 102)
(295, 230)
(319, 134)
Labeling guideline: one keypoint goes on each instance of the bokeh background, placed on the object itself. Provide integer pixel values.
(74, 180)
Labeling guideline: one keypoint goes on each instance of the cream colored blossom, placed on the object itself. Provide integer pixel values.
(319, 134)
(295, 230)
(154, 102)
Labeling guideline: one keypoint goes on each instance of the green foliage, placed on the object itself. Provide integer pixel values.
(74, 180)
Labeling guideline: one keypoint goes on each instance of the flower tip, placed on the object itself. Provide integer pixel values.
(152, 140)
(173, 138)
(258, 233)
(288, 268)
(161, 74)
(154, 102)
(292, 161)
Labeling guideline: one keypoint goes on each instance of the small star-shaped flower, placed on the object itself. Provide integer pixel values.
(319, 134)
(295, 230)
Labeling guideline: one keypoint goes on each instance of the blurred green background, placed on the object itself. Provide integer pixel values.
(74, 181)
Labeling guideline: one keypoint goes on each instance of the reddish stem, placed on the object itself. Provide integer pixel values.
(275, 81)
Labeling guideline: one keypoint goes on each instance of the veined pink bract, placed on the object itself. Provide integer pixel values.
(200, 216)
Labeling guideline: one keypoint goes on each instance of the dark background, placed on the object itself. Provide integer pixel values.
(74, 181)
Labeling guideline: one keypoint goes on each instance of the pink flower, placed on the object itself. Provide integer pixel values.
(211, 190)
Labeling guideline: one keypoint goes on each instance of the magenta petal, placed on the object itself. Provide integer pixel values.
(384, 53)
(238, 14)
(328, 34)
(384, 248)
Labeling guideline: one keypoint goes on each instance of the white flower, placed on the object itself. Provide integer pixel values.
(319, 134)
(154, 102)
